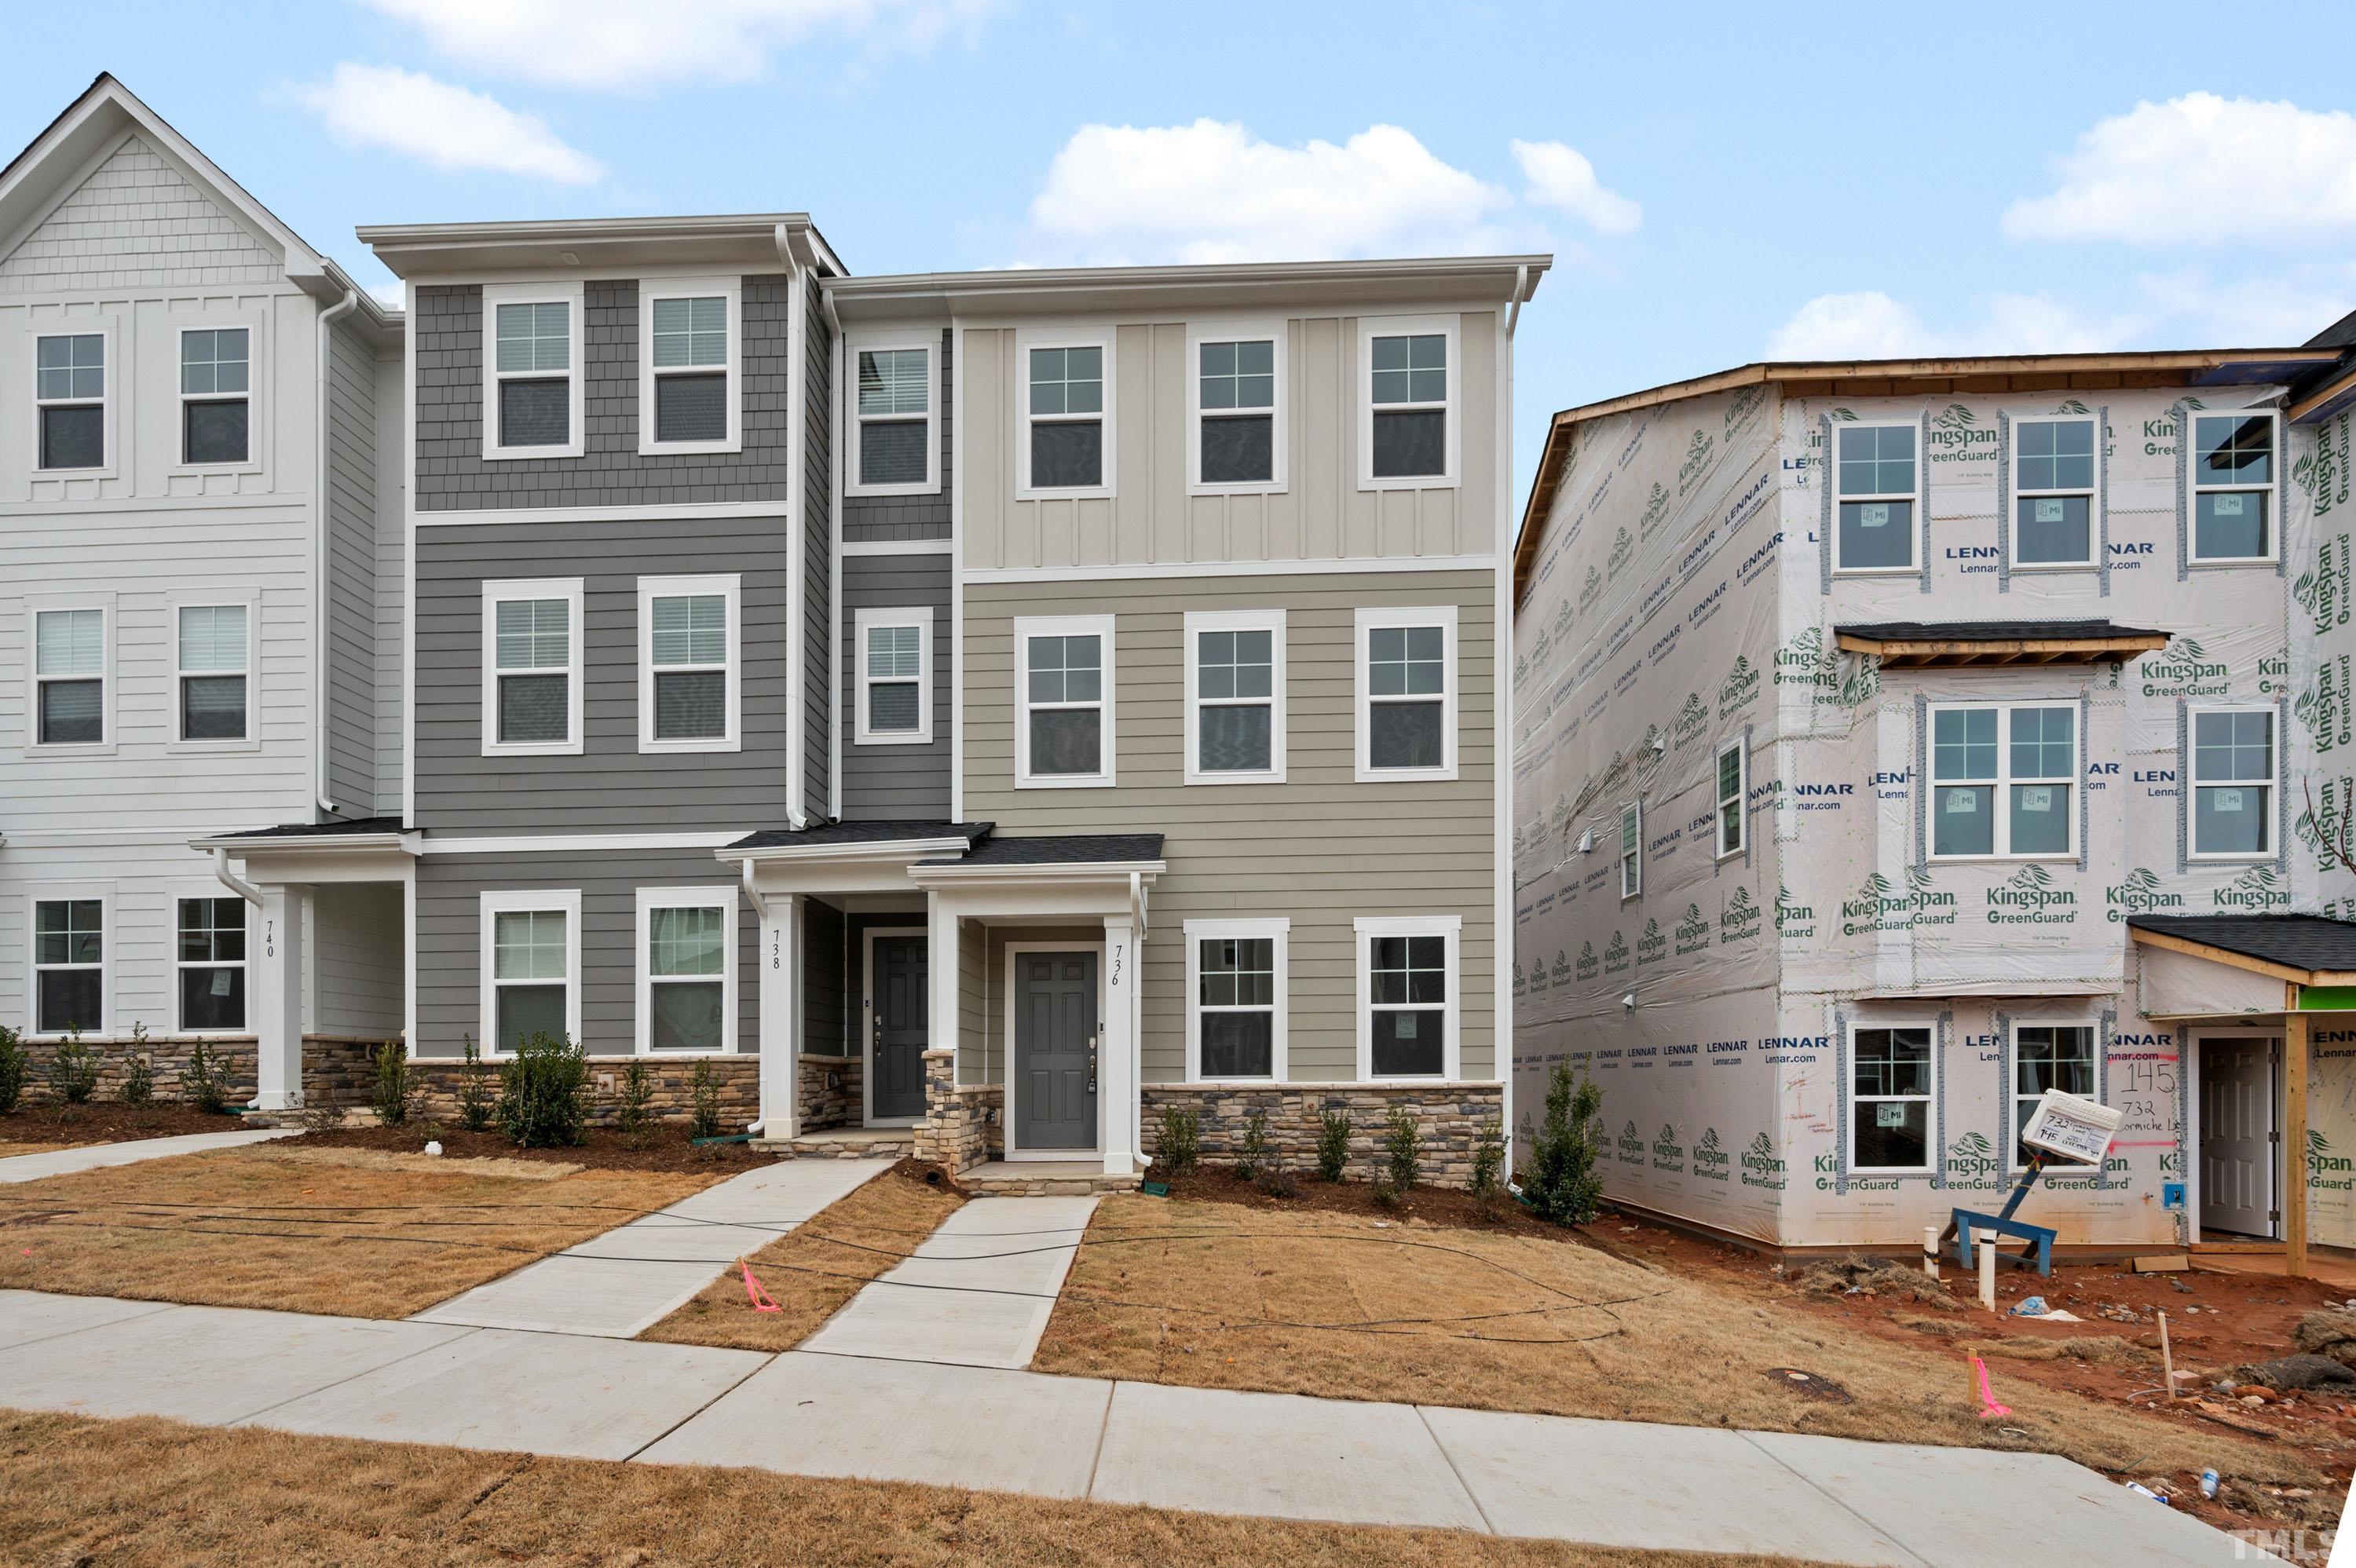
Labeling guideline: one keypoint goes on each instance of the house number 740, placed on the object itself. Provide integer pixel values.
(270, 939)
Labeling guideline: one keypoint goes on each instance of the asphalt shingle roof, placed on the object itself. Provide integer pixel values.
(1992, 631)
(1063, 849)
(847, 833)
(2310, 941)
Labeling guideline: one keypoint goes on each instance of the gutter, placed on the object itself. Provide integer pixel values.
(328, 319)
(234, 883)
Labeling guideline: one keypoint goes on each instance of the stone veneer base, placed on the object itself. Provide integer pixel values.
(1450, 1116)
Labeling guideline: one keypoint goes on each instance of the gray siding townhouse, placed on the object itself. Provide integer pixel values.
(200, 597)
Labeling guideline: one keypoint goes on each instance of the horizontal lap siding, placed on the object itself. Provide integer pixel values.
(895, 783)
(352, 557)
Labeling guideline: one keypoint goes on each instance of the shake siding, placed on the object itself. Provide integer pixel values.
(904, 783)
(867, 517)
(352, 558)
(1322, 848)
(817, 533)
(134, 223)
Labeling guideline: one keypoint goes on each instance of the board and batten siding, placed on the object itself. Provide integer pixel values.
(1322, 848)
(612, 785)
(1322, 515)
(870, 518)
(895, 783)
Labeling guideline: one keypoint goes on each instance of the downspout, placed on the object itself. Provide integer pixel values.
(1521, 289)
(327, 318)
(761, 908)
(232, 882)
(796, 503)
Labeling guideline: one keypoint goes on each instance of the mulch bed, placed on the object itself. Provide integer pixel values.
(1432, 1205)
(106, 1122)
(660, 1148)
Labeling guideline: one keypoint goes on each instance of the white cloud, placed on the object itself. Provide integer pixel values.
(2201, 169)
(1212, 191)
(1561, 176)
(633, 43)
(447, 126)
(393, 295)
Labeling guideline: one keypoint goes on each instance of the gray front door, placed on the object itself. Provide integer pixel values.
(898, 1063)
(2237, 1135)
(1054, 1051)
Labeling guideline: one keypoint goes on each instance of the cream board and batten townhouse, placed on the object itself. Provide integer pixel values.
(1896, 741)
(199, 543)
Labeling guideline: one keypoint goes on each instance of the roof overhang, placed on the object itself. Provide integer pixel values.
(1956, 652)
(2233, 960)
(315, 859)
(1255, 285)
(2334, 395)
(1051, 874)
(759, 242)
(900, 851)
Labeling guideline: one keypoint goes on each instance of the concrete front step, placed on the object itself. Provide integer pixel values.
(1044, 1178)
(845, 1143)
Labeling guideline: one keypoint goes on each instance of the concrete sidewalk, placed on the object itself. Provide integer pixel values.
(103, 1156)
(1206, 1450)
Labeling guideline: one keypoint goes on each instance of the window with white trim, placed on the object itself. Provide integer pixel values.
(1234, 697)
(2053, 503)
(70, 400)
(531, 966)
(2232, 485)
(689, 684)
(70, 677)
(688, 365)
(1407, 997)
(2232, 782)
(531, 370)
(532, 667)
(1891, 1118)
(1632, 850)
(2003, 781)
(1874, 496)
(215, 387)
(687, 976)
(213, 643)
(68, 965)
(895, 678)
(1066, 415)
(2050, 1056)
(1409, 401)
(1733, 774)
(1237, 444)
(896, 447)
(1236, 998)
(1406, 693)
(1064, 723)
(209, 959)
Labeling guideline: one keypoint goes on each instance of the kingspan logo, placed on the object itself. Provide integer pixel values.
(1739, 921)
(1760, 1166)
(2183, 668)
(2324, 1168)
(1616, 955)
(1699, 452)
(1972, 1161)
(1657, 506)
(2029, 897)
(1623, 546)
(1562, 620)
(1692, 932)
(1667, 1153)
(1710, 1159)
(2073, 406)
(2324, 708)
(1806, 661)
(1957, 436)
(1692, 720)
(1590, 589)
(1652, 946)
(2138, 892)
(1628, 1149)
(1521, 982)
(1585, 969)
(1740, 685)
(2259, 887)
(2323, 590)
(1792, 919)
(1880, 905)
(1739, 408)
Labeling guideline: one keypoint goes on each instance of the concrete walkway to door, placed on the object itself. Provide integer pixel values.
(103, 1157)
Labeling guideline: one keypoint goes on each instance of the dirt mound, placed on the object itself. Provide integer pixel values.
(1872, 1276)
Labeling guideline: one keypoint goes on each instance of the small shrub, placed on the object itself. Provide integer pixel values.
(1277, 1182)
(631, 1112)
(397, 1084)
(476, 1103)
(139, 1071)
(14, 1065)
(1488, 1159)
(206, 1077)
(73, 1072)
(1254, 1152)
(1334, 1131)
(1181, 1143)
(703, 1101)
(544, 1092)
(1560, 1183)
(323, 1108)
(1402, 1149)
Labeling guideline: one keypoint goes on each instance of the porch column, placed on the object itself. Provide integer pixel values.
(941, 966)
(2293, 1144)
(1117, 1074)
(278, 1009)
(781, 920)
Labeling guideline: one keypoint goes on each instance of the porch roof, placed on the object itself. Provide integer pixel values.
(848, 834)
(1903, 643)
(2306, 949)
(1110, 851)
(349, 834)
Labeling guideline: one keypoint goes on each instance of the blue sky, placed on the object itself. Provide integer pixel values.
(1718, 183)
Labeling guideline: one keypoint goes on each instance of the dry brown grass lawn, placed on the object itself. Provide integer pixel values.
(812, 1271)
(1217, 1297)
(241, 1228)
(127, 1494)
(11, 1151)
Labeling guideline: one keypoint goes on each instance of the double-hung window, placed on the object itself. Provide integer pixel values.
(2232, 782)
(1234, 697)
(1890, 1112)
(2233, 486)
(210, 959)
(895, 678)
(1064, 684)
(531, 371)
(214, 653)
(530, 966)
(69, 677)
(215, 388)
(69, 394)
(2047, 1056)
(2002, 781)
(1408, 404)
(70, 965)
(1406, 693)
(1632, 850)
(1874, 496)
(687, 980)
(1406, 995)
(2053, 503)
(1234, 982)
(1238, 442)
(1067, 418)
(688, 663)
(532, 667)
(895, 449)
(687, 369)
(1733, 774)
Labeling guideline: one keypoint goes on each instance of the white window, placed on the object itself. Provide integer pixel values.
(1733, 774)
(70, 400)
(1409, 402)
(1891, 1115)
(688, 396)
(531, 370)
(1063, 689)
(2054, 506)
(73, 662)
(214, 644)
(2232, 485)
(531, 967)
(689, 682)
(2232, 782)
(1234, 401)
(895, 678)
(1406, 995)
(1874, 496)
(1065, 442)
(1234, 697)
(1236, 1001)
(1632, 850)
(532, 667)
(2003, 781)
(896, 447)
(216, 389)
(1406, 694)
(2050, 1056)
(210, 960)
(69, 991)
(687, 970)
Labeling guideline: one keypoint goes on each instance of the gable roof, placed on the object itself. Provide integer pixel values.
(2310, 949)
